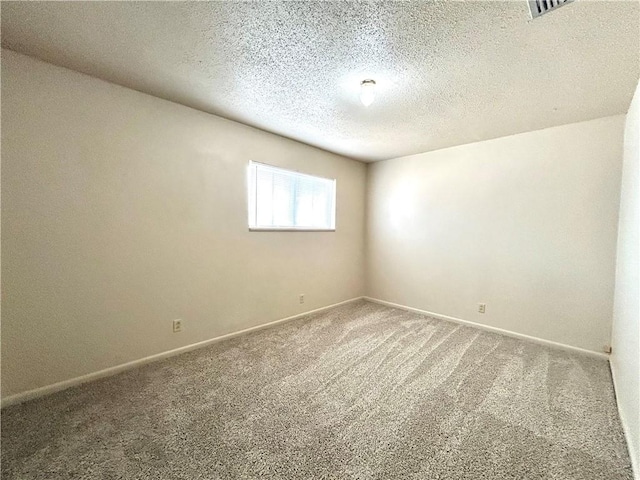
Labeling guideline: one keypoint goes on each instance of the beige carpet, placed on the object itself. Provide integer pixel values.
(358, 392)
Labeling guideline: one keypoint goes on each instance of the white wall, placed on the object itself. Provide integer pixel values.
(625, 357)
(122, 212)
(526, 224)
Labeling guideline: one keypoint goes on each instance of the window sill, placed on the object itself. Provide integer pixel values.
(290, 229)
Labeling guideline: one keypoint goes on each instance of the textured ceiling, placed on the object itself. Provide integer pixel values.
(448, 73)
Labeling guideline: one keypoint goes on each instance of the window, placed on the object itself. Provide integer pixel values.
(281, 199)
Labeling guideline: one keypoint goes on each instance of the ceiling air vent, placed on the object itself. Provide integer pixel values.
(540, 7)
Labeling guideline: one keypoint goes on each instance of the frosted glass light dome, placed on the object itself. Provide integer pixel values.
(367, 92)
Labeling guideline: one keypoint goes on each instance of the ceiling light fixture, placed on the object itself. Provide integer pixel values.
(367, 92)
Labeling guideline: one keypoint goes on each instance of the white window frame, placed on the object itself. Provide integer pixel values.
(252, 201)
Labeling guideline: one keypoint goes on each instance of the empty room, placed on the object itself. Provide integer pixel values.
(320, 240)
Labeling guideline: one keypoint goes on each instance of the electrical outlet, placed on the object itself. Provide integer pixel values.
(301, 298)
(482, 307)
(177, 326)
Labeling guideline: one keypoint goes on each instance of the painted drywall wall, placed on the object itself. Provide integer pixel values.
(625, 336)
(122, 212)
(525, 224)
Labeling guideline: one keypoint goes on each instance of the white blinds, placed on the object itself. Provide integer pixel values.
(284, 199)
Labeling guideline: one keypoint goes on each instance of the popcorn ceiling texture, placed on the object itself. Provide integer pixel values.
(358, 392)
(447, 73)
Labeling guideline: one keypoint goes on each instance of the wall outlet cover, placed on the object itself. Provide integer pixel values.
(177, 325)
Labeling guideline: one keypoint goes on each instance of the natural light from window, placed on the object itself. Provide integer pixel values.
(281, 199)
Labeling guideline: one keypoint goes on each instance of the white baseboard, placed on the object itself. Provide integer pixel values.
(488, 328)
(107, 372)
(633, 449)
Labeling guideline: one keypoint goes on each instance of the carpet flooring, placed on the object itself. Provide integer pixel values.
(362, 391)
